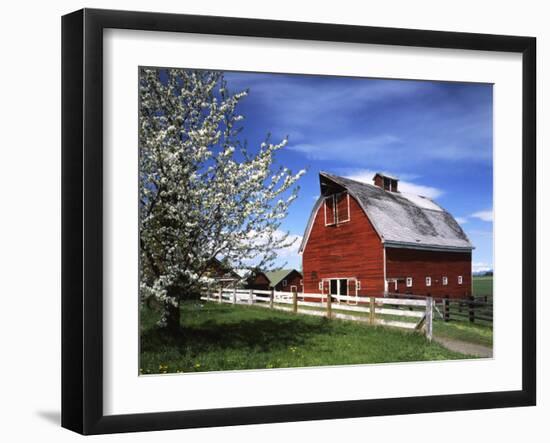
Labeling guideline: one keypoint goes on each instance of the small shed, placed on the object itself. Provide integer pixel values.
(286, 280)
(222, 273)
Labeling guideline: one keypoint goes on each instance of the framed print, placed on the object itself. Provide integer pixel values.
(269, 221)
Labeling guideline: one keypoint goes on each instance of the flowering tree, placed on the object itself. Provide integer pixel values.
(203, 193)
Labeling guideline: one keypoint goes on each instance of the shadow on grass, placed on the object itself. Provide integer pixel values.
(264, 334)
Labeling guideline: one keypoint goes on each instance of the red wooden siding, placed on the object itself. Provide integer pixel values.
(258, 281)
(292, 279)
(344, 250)
(342, 207)
(419, 264)
(379, 181)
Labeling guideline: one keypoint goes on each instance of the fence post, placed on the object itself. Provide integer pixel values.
(220, 295)
(234, 295)
(294, 301)
(329, 307)
(446, 311)
(372, 315)
(429, 317)
(250, 297)
(271, 297)
(471, 313)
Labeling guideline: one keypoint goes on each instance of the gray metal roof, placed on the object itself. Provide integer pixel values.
(400, 219)
(275, 277)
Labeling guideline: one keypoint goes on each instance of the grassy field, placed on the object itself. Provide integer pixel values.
(464, 330)
(226, 337)
(483, 286)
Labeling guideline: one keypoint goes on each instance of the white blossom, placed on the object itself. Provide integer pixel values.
(203, 193)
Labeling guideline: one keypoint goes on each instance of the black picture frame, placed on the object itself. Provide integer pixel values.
(82, 215)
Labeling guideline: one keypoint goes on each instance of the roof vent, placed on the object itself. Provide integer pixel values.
(386, 182)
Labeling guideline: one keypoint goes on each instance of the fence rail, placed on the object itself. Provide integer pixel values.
(473, 309)
(385, 311)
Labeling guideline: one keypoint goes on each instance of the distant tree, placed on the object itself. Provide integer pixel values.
(203, 193)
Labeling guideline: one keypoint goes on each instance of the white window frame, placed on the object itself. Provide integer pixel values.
(338, 288)
(444, 280)
(336, 220)
(460, 280)
(321, 286)
(409, 282)
(284, 282)
(333, 212)
(428, 281)
(295, 288)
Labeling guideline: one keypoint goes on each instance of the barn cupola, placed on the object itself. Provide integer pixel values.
(386, 182)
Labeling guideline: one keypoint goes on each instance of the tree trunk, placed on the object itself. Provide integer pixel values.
(172, 313)
(172, 317)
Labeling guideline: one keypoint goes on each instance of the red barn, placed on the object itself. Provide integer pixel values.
(371, 240)
(286, 280)
(257, 280)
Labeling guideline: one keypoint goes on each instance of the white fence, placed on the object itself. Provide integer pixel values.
(380, 310)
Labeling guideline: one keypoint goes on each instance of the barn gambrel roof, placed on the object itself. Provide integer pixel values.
(275, 277)
(400, 219)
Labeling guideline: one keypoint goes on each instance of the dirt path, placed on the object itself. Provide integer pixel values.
(465, 347)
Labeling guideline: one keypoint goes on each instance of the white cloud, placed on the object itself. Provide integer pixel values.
(292, 250)
(351, 146)
(481, 267)
(426, 191)
(484, 215)
(461, 220)
(366, 175)
(287, 257)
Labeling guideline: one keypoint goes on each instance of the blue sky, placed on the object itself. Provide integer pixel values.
(435, 136)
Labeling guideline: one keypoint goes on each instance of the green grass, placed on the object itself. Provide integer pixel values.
(483, 286)
(464, 331)
(226, 337)
(479, 332)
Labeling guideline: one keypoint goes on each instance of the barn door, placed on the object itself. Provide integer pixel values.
(352, 290)
(338, 287)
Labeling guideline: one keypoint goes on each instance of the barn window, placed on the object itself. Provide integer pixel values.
(445, 281)
(358, 285)
(342, 207)
(428, 281)
(460, 279)
(409, 282)
(284, 282)
(330, 210)
(301, 282)
(337, 209)
(320, 286)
